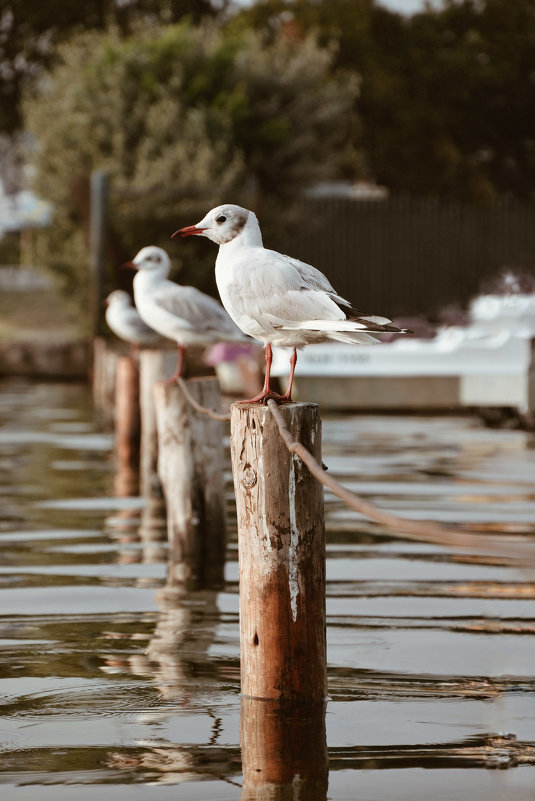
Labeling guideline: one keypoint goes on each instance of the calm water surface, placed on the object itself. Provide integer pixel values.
(108, 677)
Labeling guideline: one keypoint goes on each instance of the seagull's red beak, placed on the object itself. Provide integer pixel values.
(190, 230)
(129, 265)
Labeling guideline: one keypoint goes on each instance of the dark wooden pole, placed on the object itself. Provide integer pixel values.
(97, 245)
(281, 540)
(190, 466)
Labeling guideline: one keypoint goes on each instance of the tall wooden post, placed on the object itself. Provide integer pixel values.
(154, 365)
(97, 245)
(127, 426)
(190, 466)
(281, 540)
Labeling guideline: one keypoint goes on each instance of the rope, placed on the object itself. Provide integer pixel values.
(197, 406)
(420, 530)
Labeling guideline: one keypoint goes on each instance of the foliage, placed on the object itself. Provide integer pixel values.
(31, 31)
(184, 118)
(447, 100)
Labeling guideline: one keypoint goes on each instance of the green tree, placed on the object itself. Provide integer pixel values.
(184, 118)
(447, 96)
(30, 32)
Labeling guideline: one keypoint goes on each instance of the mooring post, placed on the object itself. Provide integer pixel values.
(190, 466)
(281, 543)
(154, 365)
(104, 371)
(127, 425)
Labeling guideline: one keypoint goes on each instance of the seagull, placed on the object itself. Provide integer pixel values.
(124, 320)
(181, 313)
(275, 298)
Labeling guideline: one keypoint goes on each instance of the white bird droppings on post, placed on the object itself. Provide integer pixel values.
(293, 572)
(267, 537)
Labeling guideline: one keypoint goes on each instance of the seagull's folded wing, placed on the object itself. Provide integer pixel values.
(196, 311)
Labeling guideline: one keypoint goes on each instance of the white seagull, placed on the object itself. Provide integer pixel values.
(181, 313)
(125, 322)
(277, 299)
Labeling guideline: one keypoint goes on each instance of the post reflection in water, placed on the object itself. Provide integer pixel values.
(173, 658)
(284, 750)
(182, 636)
(148, 528)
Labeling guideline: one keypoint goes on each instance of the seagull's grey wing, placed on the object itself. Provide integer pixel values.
(196, 310)
(315, 279)
(287, 292)
(270, 286)
(138, 326)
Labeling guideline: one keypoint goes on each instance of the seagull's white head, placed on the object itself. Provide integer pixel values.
(225, 223)
(119, 298)
(151, 259)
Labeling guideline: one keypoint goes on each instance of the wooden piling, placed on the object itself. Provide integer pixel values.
(190, 467)
(283, 750)
(127, 420)
(103, 379)
(281, 541)
(154, 365)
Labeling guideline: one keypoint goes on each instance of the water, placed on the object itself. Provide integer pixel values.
(110, 678)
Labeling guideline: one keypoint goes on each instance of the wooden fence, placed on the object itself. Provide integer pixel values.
(407, 255)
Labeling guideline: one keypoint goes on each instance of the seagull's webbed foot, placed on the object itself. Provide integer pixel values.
(266, 393)
(264, 396)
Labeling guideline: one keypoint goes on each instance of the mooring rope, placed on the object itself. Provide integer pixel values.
(420, 530)
(402, 527)
(197, 406)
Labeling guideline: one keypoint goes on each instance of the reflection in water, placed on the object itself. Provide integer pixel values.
(284, 751)
(128, 526)
(176, 651)
(182, 636)
(126, 483)
(430, 651)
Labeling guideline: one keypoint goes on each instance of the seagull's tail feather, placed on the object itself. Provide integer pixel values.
(356, 338)
(342, 326)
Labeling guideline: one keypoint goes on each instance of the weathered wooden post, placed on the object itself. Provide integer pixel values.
(154, 365)
(103, 378)
(127, 426)
(190, 466)
(281, 541)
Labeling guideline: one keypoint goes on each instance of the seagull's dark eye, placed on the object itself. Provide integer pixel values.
(221, 219)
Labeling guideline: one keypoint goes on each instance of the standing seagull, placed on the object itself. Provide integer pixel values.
(277, 299)
(181, 313)
(125, 322)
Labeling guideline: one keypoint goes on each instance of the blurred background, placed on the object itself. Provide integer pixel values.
(388, 143)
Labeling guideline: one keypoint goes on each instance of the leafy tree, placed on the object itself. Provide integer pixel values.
(184, 118)
(30, 32)
(447, 96)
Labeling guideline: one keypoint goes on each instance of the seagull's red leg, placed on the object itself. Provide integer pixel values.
(293, 361)
(179, 366)
(266, 392)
